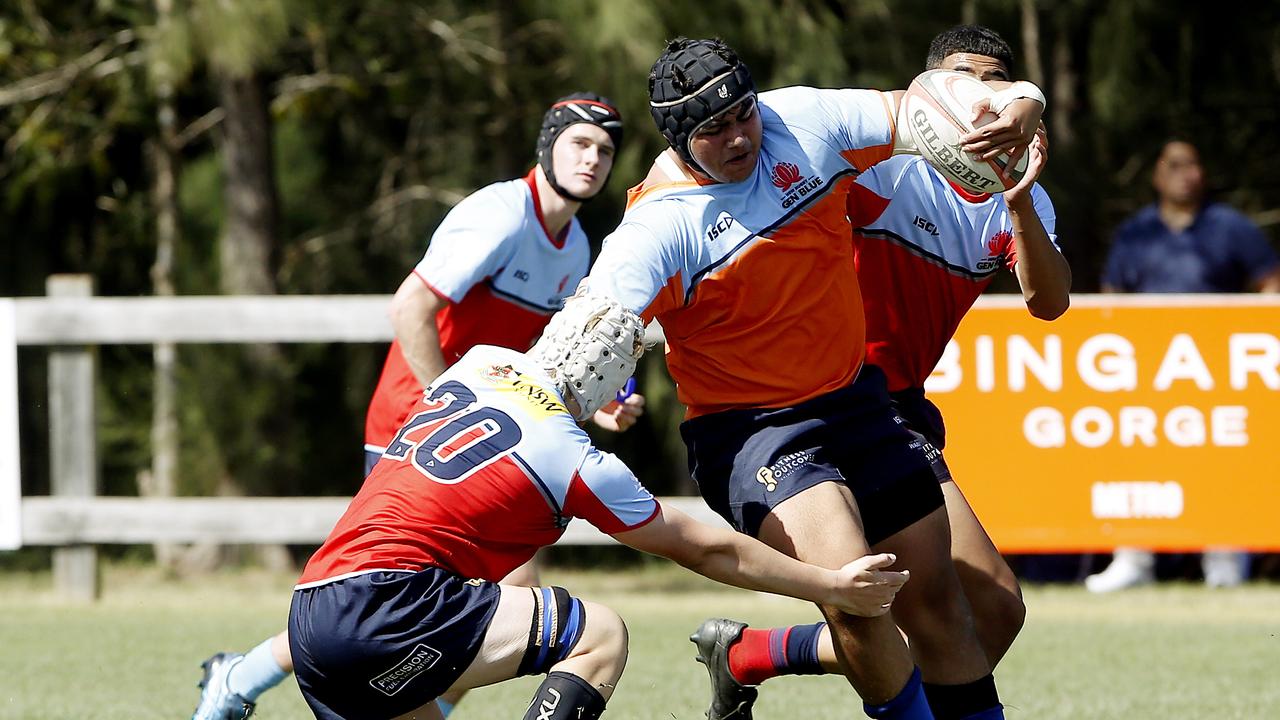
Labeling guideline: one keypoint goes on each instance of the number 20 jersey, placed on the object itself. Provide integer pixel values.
(488, 468)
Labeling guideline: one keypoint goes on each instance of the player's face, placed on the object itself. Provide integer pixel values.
(728, 146)
(983, 67)
(1179, 177)
(582, 157)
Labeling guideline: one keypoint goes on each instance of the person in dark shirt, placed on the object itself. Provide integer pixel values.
(1183, 244)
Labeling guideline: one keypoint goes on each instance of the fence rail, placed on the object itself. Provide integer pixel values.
(70, 321)
(129, 520)
(75, 519)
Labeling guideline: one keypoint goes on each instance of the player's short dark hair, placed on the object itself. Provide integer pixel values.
(972, 39)
(684, 85)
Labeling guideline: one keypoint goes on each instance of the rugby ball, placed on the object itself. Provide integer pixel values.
(938, 108)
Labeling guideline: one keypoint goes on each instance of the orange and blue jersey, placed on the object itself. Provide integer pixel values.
(925, 260)
(753, 282)
(502, 276)
(488, 468)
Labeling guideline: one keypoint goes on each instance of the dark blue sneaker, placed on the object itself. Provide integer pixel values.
(730, 699)
(217, 702)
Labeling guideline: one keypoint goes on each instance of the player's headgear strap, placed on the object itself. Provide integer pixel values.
(590, 348)
(580, 107)
(690, 85)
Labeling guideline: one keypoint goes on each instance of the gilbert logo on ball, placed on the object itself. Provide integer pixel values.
(939, 105)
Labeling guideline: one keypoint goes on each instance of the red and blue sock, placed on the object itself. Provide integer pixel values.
(762, 654)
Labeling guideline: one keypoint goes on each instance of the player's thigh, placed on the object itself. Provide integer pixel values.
(976, 558)
(505, 640)
(430, 711)
(820, 525)
(931, 607)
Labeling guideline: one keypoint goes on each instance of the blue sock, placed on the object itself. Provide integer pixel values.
(800, 649)
(909, 704)
(445, 706)
(257, 673)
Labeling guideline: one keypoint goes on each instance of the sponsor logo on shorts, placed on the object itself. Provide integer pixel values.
(771, 475)
(418, 661)
(931, 453)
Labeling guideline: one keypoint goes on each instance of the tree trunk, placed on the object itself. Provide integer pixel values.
(248, 250)
(1031, 42)
(249, 231)
(162, 481)
(1062, 102)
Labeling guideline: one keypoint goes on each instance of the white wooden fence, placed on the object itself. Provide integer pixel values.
(70, 321)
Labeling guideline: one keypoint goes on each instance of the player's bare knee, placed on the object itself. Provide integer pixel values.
(569, 635)
(605, 636)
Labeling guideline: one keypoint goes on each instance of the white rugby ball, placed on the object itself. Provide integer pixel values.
(939, 105)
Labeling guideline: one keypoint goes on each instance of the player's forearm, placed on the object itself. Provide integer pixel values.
(421, 348)
(1043, 273)
(413, 317)
(736, 559)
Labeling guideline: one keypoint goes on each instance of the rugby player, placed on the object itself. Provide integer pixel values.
(500, 263)
(922, 263)
(402, 602)
(738, 242)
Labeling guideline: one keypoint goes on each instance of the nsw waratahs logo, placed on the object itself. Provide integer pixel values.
(998, 243)
(794, 186)
(997, 247)
(785, 175)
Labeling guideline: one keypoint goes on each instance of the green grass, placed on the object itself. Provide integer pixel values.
(1168, 652)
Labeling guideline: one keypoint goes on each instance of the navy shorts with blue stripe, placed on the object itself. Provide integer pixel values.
(746, 462)
(382, 644)
(924, 419)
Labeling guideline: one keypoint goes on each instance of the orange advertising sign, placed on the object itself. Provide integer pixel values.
(1151, 421)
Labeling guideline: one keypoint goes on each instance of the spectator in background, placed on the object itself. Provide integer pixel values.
(1183, 244)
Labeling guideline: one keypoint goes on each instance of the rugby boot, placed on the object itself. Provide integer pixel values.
(217, 701)
(730, 699)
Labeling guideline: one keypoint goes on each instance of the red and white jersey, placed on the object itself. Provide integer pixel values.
(503, 277)
(488, 468)
(925, 260)
(753, 281)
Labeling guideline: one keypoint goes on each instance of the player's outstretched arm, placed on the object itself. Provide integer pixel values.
(1043, 273)
(861, 588)
(413, 317)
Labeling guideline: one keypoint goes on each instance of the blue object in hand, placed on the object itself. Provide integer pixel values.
(627, 390)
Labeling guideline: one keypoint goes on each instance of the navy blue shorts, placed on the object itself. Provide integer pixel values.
(382, 644)
(925, 420)
(746, 462)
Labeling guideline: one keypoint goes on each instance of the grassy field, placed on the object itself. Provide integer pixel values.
(1173, 651)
